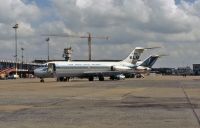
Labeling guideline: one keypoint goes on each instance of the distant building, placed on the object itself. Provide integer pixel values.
(164, 71)
(184, 71)
(181, 71)
(196, 69)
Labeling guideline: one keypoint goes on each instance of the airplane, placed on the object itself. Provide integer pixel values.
(63, 70)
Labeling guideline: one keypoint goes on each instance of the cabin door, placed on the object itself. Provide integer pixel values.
(51, 68)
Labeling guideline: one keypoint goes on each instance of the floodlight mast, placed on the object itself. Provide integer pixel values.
(16, 27)
(22, 60)
(47, 40)
(22, 56)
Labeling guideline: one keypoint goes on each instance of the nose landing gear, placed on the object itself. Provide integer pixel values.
(41, 80)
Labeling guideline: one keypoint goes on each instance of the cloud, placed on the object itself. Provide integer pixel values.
(15, 10)
(12, 12)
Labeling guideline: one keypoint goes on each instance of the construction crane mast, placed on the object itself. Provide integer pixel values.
(89, 37)
(89, 46)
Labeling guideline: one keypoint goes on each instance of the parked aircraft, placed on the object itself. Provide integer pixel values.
(63, 70)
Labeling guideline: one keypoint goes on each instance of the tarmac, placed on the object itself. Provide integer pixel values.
(151, 102)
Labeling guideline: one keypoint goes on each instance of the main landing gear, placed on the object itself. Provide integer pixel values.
(63, 79)
(41, 80)
(91, 78)
(101, 78)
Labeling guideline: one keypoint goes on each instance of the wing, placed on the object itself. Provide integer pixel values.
(100, 73)
(106, 73)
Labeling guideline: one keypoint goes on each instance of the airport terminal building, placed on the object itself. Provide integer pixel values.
(196, 69)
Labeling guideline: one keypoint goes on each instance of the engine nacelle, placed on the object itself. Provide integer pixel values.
(120, 68)
(143, 68)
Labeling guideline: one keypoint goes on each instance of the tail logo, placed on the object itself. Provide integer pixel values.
(136, 56)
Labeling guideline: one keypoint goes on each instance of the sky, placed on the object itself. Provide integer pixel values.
(171, 24)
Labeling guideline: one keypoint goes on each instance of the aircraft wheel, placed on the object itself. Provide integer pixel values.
(101, 78)
(91, 78)
(66, 79)
(42, 80)
(61, 79)
(112, 77)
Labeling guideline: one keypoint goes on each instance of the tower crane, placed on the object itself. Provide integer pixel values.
(89, 37)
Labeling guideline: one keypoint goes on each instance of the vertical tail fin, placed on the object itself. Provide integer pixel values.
(134, 56)
(136, 53)
(149, 62)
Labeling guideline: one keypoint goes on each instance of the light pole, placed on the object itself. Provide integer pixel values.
(22, 60)
(22, 56)
(16, 27)
(48, 47)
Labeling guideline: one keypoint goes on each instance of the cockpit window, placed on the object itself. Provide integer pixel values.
(44, 69)
(45, 65)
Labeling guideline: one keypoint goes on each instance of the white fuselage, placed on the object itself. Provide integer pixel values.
(80, 68)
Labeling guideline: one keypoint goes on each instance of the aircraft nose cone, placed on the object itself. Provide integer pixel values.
(36, 72)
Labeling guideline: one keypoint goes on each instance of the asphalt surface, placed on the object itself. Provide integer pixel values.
(152, 102)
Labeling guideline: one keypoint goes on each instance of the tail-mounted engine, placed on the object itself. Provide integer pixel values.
(119, 68)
